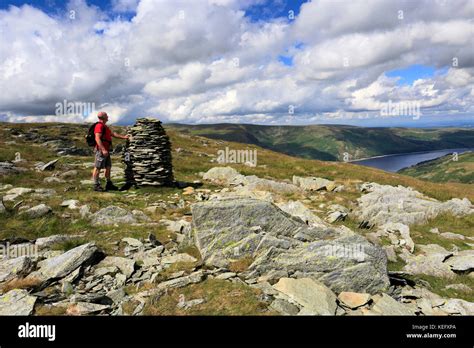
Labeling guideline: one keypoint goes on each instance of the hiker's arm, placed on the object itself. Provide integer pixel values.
(120, 136)
(100, 144)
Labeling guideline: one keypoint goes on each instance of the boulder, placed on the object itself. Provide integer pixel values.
(48, 166)
(2, 207)
(400, 233)
(221, 175)
(312, 183)
(450, 235)
(83, 308)
(313, 296)
(386, 305)
(462, 262)
(178, 258)
(230, 229)
(115, 215)
(47, 242)
(19, 191)
(17, 302)
(37, 211)
(388, 204)
(126, 266)
(430, 262)
(284, 307)
(299, 210)
(458, 307)
(60, 266)
(70, 204)
(353, 300)
(13, 268)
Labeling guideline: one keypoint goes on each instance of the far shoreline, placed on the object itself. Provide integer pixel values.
(465, 149)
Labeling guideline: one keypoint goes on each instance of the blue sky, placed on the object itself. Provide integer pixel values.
(333, 62)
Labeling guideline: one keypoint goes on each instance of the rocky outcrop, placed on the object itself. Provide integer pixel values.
(115, 215)
(229, 229)
(314, 297)
(388, 204)
(16, 267)
(64, 264)
(17, 302)
(313, 183)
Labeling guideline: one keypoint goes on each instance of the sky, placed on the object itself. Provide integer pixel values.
(361, 62)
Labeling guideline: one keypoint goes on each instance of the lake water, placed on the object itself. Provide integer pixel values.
(393, 163)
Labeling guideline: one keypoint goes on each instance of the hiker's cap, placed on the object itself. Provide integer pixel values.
(102, 114)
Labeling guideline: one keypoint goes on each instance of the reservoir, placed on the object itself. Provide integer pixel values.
(393, 163)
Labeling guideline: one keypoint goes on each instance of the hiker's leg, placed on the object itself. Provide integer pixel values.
(99, 163)
(107, 173)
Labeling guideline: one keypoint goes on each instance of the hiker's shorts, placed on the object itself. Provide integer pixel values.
(101, 161)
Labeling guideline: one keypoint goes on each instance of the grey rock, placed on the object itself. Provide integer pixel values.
(126, 266)
(458, 307)
(115, 215)
(462, 262)
(62, 265)
(284, 307)
(47, 242)
(178, 258)
(353, 300)
(17, 302)
(450, 235)
(83, 308)
(150, 257)
(298, 209)
(313, 296)
(430, 262)
(311, 183)
(70, 204)
(224, 230)
(195, 277)
(37, 211)
(222, 175)
(226, 275)
(388, 204)
(386, 305)
(458, 287)
(16, 267)
(49, 166)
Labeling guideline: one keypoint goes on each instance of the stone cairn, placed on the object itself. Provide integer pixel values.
(147, 155)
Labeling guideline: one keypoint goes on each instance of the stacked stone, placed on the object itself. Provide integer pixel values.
(147, 155)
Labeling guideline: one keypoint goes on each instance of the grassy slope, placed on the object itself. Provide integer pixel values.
(196, 157)
(330, 142)
(445, 169)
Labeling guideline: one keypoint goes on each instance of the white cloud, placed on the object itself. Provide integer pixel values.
(205, 61)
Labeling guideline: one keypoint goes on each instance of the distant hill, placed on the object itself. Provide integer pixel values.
(330, 142)
(444, 169)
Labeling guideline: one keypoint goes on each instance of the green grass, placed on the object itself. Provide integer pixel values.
(438, 286)
(445, 223)
(221, 298)
(445, 169)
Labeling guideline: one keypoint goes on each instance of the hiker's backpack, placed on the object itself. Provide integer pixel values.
(90, 137)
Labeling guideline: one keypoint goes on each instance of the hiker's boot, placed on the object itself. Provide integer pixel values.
(98, 188)
(110, 186)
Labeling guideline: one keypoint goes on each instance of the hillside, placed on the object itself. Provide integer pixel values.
(330, 142)
(445, 169)
(181, 250)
